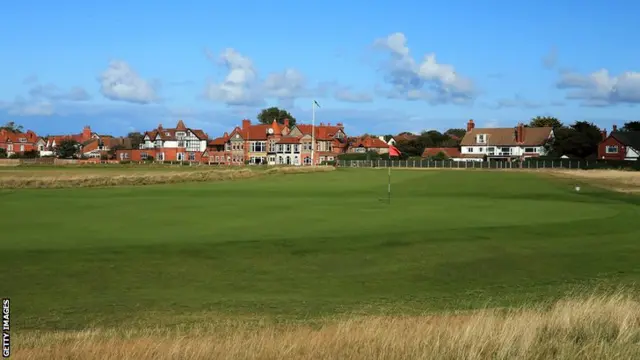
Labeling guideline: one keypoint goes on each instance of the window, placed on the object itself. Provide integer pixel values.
(192, 156)
(470, 150)
(21, 148)
(359, 150)
(306, 147)
(161, 156)
(296, 148)
(23, 140)
(287, 148)
(258, 146)
(217, 158)
(505, 150)
(530, 150)
(612, 149)
(180, 156)
(481, 139)
(40, 147)
(167, 133)
(159, 143)
(10, 147)
(481, 150)
(307, 161)
(272, 145)
(491, 150)
(144, 156)
(280, 160)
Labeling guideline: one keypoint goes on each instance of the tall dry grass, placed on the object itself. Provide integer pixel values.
(624, 181)
(597, 327)
(62, 179)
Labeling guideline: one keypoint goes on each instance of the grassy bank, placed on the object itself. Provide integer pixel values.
(598, 327)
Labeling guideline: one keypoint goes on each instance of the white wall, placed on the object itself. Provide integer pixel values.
(632, 154)
(515, 150)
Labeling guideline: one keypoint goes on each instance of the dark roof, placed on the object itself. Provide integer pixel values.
(628, 138)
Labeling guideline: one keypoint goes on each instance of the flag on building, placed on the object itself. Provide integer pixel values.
(393, 151)
(315, 102)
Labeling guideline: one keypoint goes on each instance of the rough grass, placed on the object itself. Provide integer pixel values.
(623, 181)
(595, 327)
(101, 178)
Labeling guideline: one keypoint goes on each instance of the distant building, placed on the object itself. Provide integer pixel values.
(18, 142)
(619, 145)
(504, 143)
(368, 143)
(168, 144)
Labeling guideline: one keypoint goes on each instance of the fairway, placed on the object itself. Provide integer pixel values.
(303, 246)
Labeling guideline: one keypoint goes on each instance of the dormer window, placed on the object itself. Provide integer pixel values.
(23, 140)
(481, 138)
(167, 133)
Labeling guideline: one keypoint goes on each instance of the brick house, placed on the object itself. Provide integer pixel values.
(17, 142)
(101, 146)
(504, 143)
(252, 143)
(619, 145)
(276, 144)
(368, 143)
(168, 144)
(47, 145)
(330, 140)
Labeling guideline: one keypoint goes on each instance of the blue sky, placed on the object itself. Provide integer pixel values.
(377, 66)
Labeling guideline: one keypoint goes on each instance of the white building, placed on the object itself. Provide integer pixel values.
(504, 143)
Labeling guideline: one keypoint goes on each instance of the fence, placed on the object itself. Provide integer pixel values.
(527, 164)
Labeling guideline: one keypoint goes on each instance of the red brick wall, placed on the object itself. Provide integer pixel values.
(610, 141)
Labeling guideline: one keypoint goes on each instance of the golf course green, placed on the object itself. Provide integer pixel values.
(303, 246)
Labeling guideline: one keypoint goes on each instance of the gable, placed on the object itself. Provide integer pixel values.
(295, 131)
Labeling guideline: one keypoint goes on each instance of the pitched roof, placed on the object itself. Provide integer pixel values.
(321, 132)
(369, 142)
(289, 140)
(628, 138)
(450, 152)
(14, 137)
(533, 136)
(170, 133)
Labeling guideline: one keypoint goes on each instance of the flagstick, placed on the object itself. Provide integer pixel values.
(389, 185)
(313, 132)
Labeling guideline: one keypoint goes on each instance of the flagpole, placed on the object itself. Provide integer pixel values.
(389, 185)
(313, 132)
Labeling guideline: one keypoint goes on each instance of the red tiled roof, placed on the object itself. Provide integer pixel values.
(450, 152)
(170, 133)
(14, 137)
(322, 132)
(289, 140)
(370, 142)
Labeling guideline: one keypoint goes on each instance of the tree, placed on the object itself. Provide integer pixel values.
(266, 116)
(136, 139)
(631, 126)
(440, 156)
(579, 140)
(67, 148)
(3, 153)
(12, 126)
(542, 121)
(459, 133)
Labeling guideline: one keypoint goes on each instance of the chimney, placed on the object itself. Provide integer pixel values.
(159, 126)
(245, 124)
(225, 134)
(520, 133)
(86, 133)
(339, 125)
(615, 128)
(603, 133)
(286, 123)
(321, 124)
(470, 125)
(328, 124)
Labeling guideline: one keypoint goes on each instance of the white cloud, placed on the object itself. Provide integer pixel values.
(53, 93)
(428, 80)
(492, 123)
(120, 82)
(601, 88)
(22, 107)
(242, 85)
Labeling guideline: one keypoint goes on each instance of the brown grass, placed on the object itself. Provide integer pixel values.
(102, 178)
(624, 181)
(597, 327)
